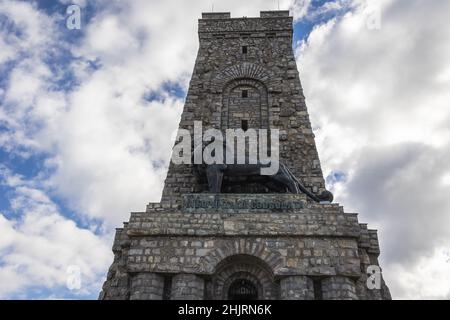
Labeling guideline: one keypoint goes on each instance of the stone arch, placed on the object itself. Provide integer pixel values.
(241, 72)
(272, 259)
(254, 108)
(244, 70)
(243, 267)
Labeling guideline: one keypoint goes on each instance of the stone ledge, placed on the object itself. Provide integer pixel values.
(216, 15)
(292, 203)
(274, 13)
(245, 25)
(304, 223)
(243, 203)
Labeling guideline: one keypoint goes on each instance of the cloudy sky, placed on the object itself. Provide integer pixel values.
(87, 116)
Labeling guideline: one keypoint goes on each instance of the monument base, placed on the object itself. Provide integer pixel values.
(243, 246)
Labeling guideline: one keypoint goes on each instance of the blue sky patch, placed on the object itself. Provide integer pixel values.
(336, 177)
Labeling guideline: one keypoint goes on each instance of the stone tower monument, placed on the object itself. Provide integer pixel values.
(250, 240)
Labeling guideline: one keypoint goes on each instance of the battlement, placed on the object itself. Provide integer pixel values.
(216, 15)
(221, 22)
(274, 14)
(262, 14)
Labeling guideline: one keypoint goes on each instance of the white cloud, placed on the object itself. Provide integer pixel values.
(372, 94)
(299, 8)
(106, 142)
(379, 102)
(7, 52)
(30, 22)
(38, 245)
(424, 279)
(81, 3)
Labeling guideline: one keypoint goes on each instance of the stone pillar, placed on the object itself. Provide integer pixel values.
(147, 286)
(296, 288)
(187, 287)
(115, 288)
(339, 288)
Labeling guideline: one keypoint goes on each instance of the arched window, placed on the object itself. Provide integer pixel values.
(244, 101)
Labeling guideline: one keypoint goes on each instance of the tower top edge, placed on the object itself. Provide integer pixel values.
(263, 14)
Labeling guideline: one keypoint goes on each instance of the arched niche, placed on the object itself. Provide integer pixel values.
(244, 103)
(250, 271)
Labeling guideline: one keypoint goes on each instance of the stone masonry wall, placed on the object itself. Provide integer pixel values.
(268, 61)
(193, 245)
(319, 240)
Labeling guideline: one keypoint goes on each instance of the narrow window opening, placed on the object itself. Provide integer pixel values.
(318, 289)
(167, 287)
(244, 125)
(244, 49)
(244, 93)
